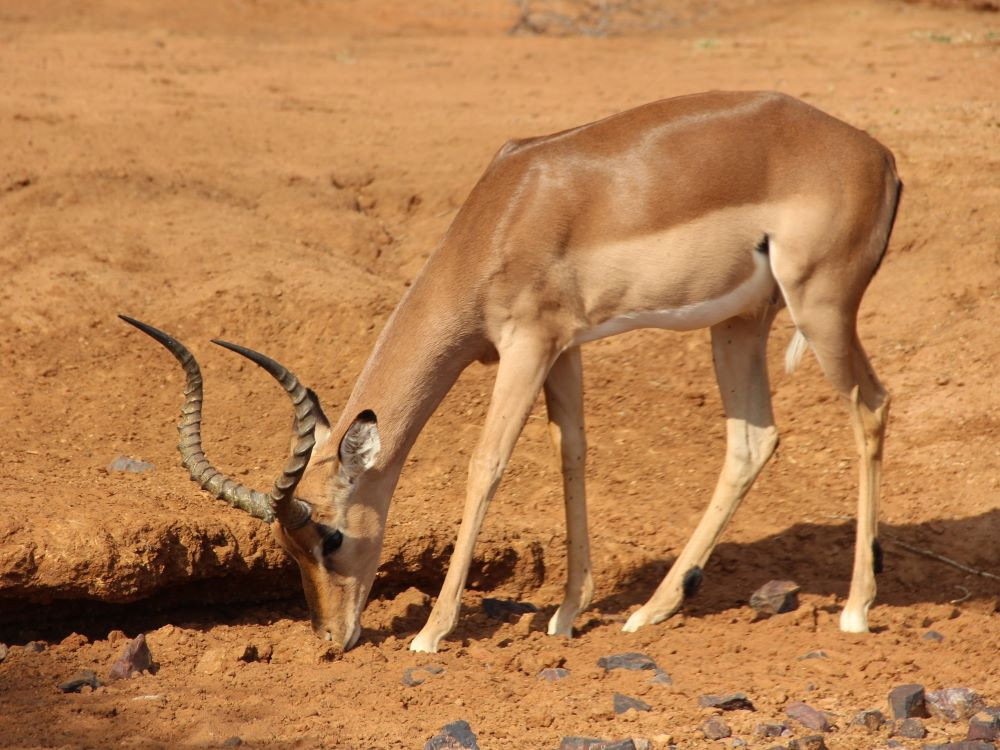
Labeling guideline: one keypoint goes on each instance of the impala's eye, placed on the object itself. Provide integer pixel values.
(332, 542)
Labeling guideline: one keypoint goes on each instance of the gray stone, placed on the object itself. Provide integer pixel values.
(728, 702)
(907, 701)
(623, 703)
(716, 729)
(815, 655)
(129, 465)
(775, 597)
(135, 658)
(933, 635)
(454, 736)
(591, 743)
(553, 674)
(507, 610)
(413, 676)
(985, 725)
(872, 720)
(808, 716)
(812, 742)
(661, 678)
(894, 743)
(77, 682)
(770, 730)
(963, 745)
(912, 729)
(953, 704)
(35, 647)
(632, 661)
(233, 741)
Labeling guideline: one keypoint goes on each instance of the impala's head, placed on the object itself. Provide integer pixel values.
(316, 508)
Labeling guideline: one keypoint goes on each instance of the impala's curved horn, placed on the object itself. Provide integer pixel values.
(291, 512)
(257, 504)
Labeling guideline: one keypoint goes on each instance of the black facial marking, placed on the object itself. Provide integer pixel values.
(764, 246)
(877, 557)
(692, 582)
(332, 538)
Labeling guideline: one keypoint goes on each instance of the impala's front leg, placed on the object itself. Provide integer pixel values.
(522, 370)
(564, 401)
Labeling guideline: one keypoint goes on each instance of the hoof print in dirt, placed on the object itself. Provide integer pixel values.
(632, 660)
(129, 466)
(933, 635)
(953, 704)
(716, 729)
(728, 702)
(812, 742)
(808, 716)
(80, 680)
(872, 720)
(775, 597)
(591, 743)
(413, 676)
(553, 674)
(507, 610)
(985, 725)
(771, 730)
(135, 658)
(911, 729)
(624, 703)
(454, 736)
(907, 701)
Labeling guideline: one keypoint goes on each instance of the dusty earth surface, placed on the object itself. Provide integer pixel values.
(276, 173)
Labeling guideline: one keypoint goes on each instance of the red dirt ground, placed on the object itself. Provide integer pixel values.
(277, 173)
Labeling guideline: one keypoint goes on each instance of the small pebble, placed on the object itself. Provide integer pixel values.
(632, 661)
(770, 730)
(129, 465)
(963, 745)
(911, 729)
(35, 647)
(953, 704)
(623, 703)
(233, 742)
(907, 701)
(729, 702)
(3, 651)
(808, 716)
(872, 720)
(77, 682)
(815, 655)
(985, 725)
(136, 658)
(812, 742)
(716, 729)
(553, 674)
(454, 736)
(592, 743)
(775, 597)
(661, 678)
(933, 635)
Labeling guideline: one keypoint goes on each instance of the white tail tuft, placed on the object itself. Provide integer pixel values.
(796, 348)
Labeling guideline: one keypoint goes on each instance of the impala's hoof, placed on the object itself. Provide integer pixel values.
(561, 624)
(854, 620)
(425, 643)
(635, 621)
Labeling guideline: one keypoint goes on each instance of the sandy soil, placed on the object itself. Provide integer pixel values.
(276, 173)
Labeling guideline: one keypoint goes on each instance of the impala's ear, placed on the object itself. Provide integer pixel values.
(360, 445)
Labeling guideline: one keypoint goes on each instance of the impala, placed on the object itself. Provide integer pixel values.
(711, 210)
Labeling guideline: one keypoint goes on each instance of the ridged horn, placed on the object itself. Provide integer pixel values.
(257, 504)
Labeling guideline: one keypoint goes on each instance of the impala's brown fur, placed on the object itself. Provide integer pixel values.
(712, 210)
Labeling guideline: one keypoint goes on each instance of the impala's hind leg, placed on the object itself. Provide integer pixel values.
(835, 342)
(564, 401)
(738, 347)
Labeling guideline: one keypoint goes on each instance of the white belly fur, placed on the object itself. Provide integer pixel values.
(748, 297)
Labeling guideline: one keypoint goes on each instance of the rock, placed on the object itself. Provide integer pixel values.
(770, 730)
(641, 743)
(716, 729)
(233, 742)
(738, 742)
(136, 658)
(632, 660)
(590, 743)
(808, 716)
(729, 702)
(985, 725)
(507, 610)
(661, 678)
(553, 674)
(953, 704)
(213, 661)
(623, 703)
(912, 729)
(815, 655)
(129, 465)
(413, 676)
(907, 701)
(35, 647)
(775, 597)
(872, 720)
(893, 743)
(3, 651)
(933, 635)
(812, 742)
(963, 745)
(453, 736)
(76, 683)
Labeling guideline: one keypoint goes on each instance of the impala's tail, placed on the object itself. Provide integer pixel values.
(796, 348)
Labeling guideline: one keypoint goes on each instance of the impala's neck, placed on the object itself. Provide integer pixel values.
(429, 339)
